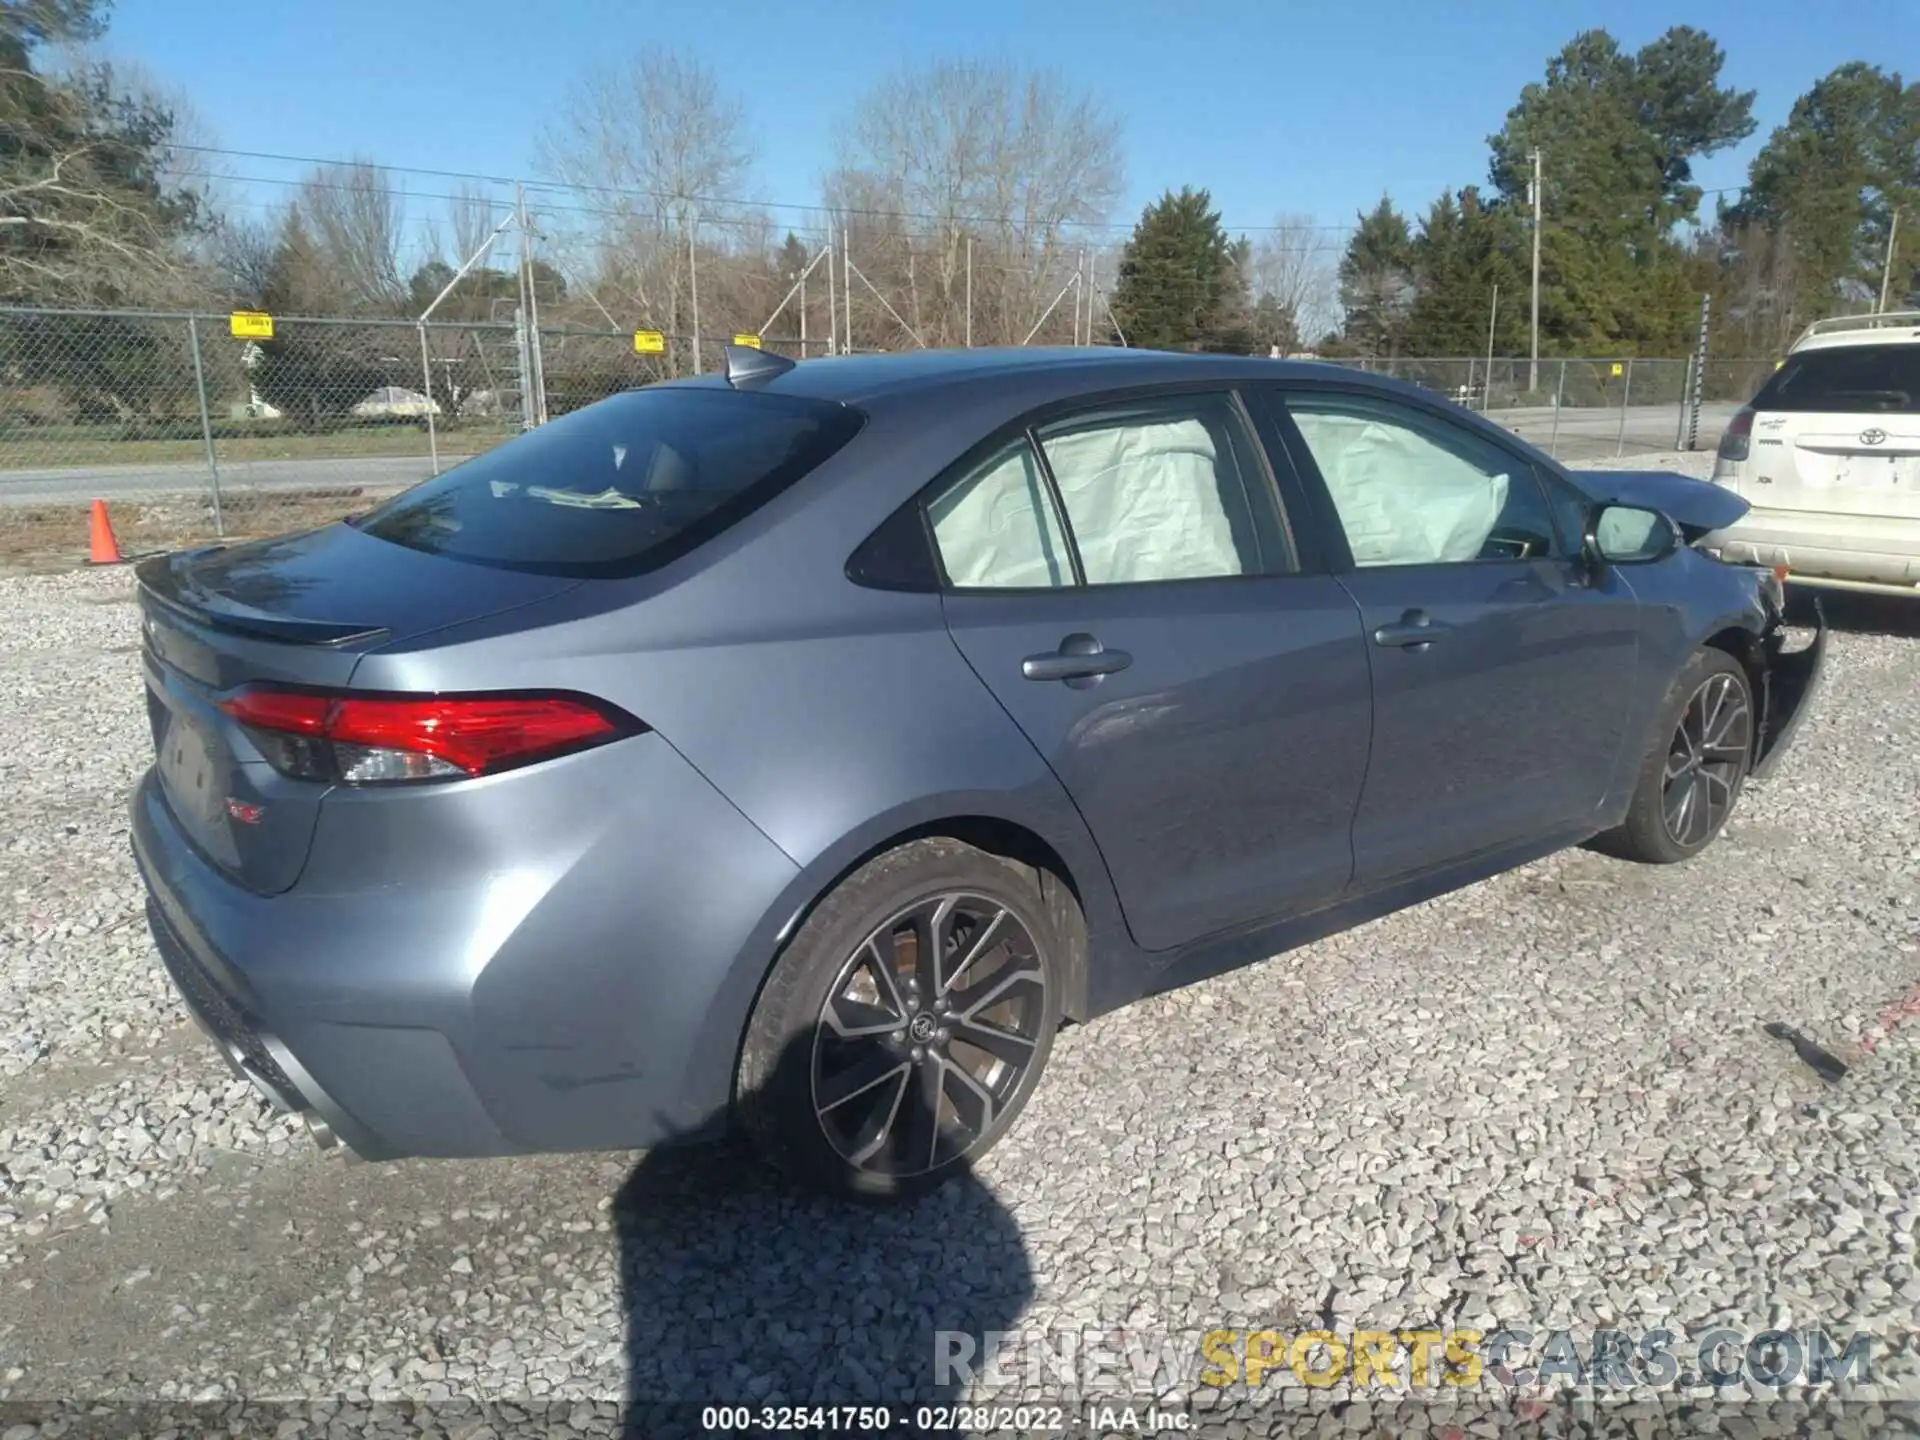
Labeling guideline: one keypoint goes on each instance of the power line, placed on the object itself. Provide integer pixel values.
(553, 187)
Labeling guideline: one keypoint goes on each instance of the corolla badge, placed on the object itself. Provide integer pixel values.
(1874, 436)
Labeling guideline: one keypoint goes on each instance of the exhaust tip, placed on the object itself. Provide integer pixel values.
(321, 1131)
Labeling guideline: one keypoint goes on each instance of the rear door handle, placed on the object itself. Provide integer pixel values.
(1080, 661)
(1415, 630)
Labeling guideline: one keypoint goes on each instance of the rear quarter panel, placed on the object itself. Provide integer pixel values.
(833, 717)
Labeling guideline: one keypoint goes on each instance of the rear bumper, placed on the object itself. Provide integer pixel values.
(1848, 551)
(567, 1002)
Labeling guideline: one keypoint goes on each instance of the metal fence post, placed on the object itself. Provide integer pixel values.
(1559, 394)
(1626, 400)
(206, 424)
(426, 377)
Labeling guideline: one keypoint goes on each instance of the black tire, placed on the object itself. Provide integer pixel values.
(802, 1092)
(1663, 825)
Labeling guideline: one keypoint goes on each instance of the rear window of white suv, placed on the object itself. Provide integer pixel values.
(1857, 379)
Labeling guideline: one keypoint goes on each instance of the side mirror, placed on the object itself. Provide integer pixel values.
(1630, 535)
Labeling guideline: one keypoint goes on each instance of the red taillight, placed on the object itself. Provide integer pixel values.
(1737, 441)
(374, 739)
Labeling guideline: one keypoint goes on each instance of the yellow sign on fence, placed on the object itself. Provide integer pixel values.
(649, 342)
(250, 325)
(1618, 368)
(751, 341)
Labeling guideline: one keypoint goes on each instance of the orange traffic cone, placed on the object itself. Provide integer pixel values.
(102, 548)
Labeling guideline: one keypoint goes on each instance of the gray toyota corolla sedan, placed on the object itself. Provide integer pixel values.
(802, 745)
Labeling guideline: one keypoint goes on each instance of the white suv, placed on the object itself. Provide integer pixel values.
(1828, 455)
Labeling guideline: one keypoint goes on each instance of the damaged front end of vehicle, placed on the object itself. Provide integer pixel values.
(1788, 679)
(1784, 681)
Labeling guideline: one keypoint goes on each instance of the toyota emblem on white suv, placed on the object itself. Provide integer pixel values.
(1875, 436)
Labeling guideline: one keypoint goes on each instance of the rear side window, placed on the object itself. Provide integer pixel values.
(1874, 379)
(620, 487)
(997, 528)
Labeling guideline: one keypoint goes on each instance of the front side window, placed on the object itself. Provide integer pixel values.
(1412, 489)
(1167, 489)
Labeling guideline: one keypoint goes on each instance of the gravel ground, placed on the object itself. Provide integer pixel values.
(1544, 1101)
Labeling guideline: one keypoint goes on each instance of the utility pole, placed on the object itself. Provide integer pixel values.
(693, 284)
(969, 292)
(1886, 270)
(803, 314)
(1533, 369)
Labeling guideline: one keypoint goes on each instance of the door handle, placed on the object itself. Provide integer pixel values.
(1081, 661)
(1415, 630)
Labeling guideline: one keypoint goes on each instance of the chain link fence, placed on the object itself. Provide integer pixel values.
(189, 433)
(1591, 409)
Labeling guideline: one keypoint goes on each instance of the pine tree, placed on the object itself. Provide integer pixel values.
(1829, 180)
(1619, 133)
(1463, 249)
(1183, 283)
(1376, 281)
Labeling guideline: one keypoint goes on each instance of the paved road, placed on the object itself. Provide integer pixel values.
(129, 482)
(1594, 433)
(1580, 434)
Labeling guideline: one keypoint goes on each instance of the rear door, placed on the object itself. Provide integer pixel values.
(1122, 578)
(1501, 674)
(1837, 430)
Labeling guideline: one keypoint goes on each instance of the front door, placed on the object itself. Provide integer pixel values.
(1501, 673)
(1122, 580)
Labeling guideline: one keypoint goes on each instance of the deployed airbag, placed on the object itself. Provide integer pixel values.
(990, 527)
(1144, 501)
(1402, 499)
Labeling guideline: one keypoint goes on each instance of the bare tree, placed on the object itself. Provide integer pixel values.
(655, 149)
(1009, 159)
(1296, 265)
(340, 242)
(86, 213)
(242, 254)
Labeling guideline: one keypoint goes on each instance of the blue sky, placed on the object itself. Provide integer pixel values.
(1305, 108)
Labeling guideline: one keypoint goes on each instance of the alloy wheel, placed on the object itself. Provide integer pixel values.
(1705, 760)
(927, 1034)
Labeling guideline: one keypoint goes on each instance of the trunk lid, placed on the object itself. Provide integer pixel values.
(299, 610)
(1847, 464)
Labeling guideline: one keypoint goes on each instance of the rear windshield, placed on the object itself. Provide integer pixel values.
(620, 487)
(1861, 378)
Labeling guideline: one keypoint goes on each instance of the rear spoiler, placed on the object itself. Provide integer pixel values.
(167, 581)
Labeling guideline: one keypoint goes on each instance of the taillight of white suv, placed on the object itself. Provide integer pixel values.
(1737, 443)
